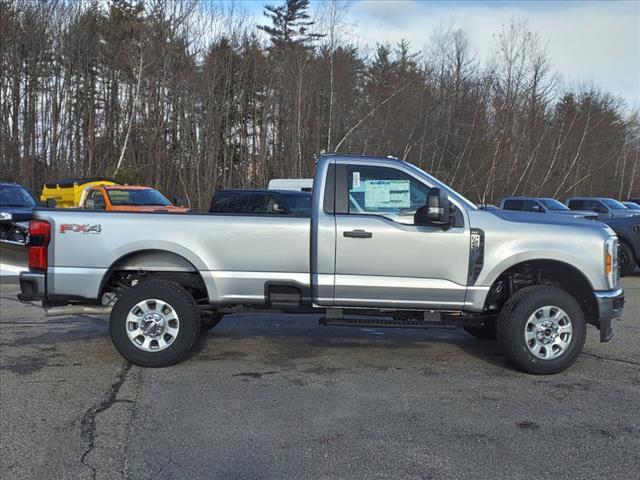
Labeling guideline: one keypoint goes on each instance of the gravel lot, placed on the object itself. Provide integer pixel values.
(281, 397)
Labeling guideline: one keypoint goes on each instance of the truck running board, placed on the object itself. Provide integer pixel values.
(376, 322)
(336, 318)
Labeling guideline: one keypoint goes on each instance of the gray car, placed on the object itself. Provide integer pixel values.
(543, 205)
(604, 207)
(385, 244)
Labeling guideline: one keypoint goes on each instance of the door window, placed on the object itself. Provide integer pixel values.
(513, 205)
(532, 206)
(97, 200)
(384, 191)
(257, 203)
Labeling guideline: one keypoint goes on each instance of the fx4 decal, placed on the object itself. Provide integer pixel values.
(77, 228)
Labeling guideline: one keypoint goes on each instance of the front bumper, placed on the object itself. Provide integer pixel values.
(610, 306)
(32, 286)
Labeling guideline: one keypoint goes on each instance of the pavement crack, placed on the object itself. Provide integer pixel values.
(611, 359)
(88, 420)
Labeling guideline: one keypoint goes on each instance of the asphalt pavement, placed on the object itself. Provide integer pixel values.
(280, 397)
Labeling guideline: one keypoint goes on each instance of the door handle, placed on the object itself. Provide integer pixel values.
(358, 234)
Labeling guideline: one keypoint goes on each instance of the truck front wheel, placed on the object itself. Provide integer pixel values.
(627, 260)
(155, 323)
(542, 329)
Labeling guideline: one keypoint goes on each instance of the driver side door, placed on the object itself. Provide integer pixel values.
(383, 259)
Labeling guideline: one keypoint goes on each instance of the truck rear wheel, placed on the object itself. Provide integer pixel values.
(542, 329)
(155, 323)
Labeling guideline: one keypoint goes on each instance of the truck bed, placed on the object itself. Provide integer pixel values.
(237, 253)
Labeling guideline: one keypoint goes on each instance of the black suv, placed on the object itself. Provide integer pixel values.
(628, 231)
(270, 202)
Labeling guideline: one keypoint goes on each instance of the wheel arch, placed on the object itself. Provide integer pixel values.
(546, 272)
(160, 264)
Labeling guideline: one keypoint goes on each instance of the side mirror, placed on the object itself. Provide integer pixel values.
(436, 211)
(90, 203)
(50, 203)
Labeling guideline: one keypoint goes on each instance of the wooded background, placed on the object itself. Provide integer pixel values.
(191, 96)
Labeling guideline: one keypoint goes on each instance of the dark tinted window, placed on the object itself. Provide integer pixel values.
(576, 204)
(257, 203)
(289, 204)
(229, 202)
(299, 204)
(513, 204)
(532, 206)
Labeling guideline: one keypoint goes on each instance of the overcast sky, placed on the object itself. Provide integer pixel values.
(597, 42)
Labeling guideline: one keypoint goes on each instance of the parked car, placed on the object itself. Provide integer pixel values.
(542, 205)
(296, 184)
(16, 209)
(385, 245)
(127, 198)
(635, 200)
(277, 202)
(628, 231)
(632, 206)
(604, 207)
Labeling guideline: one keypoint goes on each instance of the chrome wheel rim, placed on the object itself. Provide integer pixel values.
(152, 325)
(548, 332)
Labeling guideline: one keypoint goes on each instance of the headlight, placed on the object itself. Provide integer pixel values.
(611, 261)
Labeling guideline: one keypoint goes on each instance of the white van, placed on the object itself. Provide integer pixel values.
(297, 184)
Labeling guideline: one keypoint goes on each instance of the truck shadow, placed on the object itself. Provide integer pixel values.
(282, 340)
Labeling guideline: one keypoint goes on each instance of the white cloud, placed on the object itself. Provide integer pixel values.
(589, 42)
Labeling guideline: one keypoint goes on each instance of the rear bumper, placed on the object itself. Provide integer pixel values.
(610, 306)
(32, 286)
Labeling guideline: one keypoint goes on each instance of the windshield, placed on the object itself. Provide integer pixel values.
(613, 204)
(142, 197)
(553, 204)
(15, 196)
(632, 206)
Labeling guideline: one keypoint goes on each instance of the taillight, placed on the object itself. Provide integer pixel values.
(39, 236)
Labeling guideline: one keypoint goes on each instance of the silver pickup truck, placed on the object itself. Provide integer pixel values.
(386, 245)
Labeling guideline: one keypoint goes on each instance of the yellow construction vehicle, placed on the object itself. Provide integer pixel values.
(68, 192)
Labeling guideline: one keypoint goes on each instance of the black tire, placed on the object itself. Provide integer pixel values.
(185, 307)
(488, 331)
(209, 320)
(512, 323)
(627, 260)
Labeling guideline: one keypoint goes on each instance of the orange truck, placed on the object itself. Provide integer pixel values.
(99, 194)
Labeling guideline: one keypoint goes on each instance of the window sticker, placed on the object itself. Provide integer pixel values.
(356, 179)
(386, 194)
